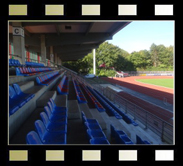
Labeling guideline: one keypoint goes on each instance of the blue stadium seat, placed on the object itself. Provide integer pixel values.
(12, 108)
(56, 107)
(93, 134)
(63, 86)
(54, 118)
(126, 118)
(125, 140)
(90, 121)
(99, 141)
(18, 91)
(57, 110)
(47, 79)
(92, 126)
(79, 94)
(118, 134)
(13, 62)
(110, 111)
(49, 137)
(112, 130)
(140, 141)
(17, 63)
(15, 101)
(146, 142)
(33, 138)
(10, 62)
(51, 126)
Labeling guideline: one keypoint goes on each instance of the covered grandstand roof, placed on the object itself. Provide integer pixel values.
(71, 40)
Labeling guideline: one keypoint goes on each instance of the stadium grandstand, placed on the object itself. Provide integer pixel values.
(51, 104)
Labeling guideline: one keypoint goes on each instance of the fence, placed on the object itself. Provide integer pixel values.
(150, 121)
(150, 73)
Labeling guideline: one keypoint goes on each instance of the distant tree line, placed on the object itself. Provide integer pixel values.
(157, 58)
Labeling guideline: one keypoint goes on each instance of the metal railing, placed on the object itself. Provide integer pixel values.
(147, 119)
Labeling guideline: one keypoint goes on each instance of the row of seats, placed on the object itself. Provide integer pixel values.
(109, 110)
(94, 131)
(126, 118)
(99, 107)
(47, 79)
(14, 62)
(80, 96)
(17, 98)
(34, 64)
(140, 141)
(52, 128)
(120, 136)
(28, 71)
(63, 86)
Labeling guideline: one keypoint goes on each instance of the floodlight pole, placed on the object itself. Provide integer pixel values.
(94, 64)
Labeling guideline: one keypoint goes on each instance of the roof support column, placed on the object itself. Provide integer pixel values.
(43, 49)
(19, 41)
(94, 63)
(56, 59)
(59, 61)
(51, 56)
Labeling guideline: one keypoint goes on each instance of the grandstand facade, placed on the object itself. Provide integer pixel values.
(51, 104)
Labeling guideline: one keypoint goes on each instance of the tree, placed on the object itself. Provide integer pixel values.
(158, 57)
(154, 54)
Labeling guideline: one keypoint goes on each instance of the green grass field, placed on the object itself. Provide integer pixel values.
(161, 82)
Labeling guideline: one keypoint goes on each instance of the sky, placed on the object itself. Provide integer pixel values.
(139, 35)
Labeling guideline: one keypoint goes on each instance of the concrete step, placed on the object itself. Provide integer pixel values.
(76, 132)
(72, 92)
(61, 100)
(42, 101)
(26, 85)
(20, 136)
(120, 125)
(37, 90)
(73, 110)
(84, 107)
(99, 118)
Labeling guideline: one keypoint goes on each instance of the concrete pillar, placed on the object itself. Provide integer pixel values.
(94, 64)
(59, 61)
(51, 56)
(19, 41)
(43, 49)
(56, 59)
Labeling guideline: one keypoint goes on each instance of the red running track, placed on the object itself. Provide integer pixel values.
(148, 89)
